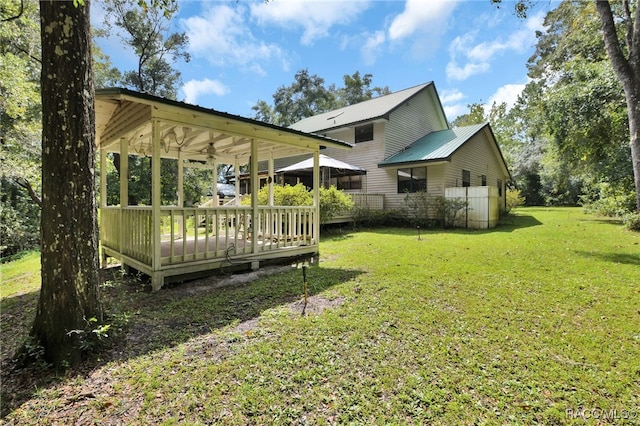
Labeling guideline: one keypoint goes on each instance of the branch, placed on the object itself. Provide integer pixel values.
(13, 18)
(27, 185)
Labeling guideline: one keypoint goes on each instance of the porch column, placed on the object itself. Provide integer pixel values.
(156, 279)
(316, 195)
(270, 180)
(255, 187)
(236, 171)
(124, 193)
(180, 180)
(103, 198)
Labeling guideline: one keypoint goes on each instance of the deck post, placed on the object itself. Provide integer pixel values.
(156, 277)
(124, 194)
(270, 180)
(255, 187)
(103, 198)
(236, 171)
(316, 196)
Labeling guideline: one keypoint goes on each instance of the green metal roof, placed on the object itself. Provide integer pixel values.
(435, 146)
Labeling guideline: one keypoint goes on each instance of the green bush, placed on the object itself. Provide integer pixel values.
(423, 209)
(632, 221)
(607, 200)
(514, 199)
(333, 202)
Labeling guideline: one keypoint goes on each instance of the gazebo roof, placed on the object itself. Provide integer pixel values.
(193, 132)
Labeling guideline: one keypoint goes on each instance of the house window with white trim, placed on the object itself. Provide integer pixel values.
(412, 179)
(364, 133)
(499, 187)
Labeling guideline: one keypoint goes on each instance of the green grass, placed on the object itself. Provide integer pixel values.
(20, 276)
(511, 326)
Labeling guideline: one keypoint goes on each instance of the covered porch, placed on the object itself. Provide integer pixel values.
(168, 242)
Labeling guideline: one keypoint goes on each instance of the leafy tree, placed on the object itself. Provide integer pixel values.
(20, 126)
(620, 26)
(145, 29)
(69, 296)
(308, 96)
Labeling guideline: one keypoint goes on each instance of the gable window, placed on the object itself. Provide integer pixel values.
(499, 187)
(349, 182)
(364, 133)
(466, 178)
(412, 179)
(484, 180)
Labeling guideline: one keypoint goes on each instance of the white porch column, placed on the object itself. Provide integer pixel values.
(255, 187)
(316, 195)
(103, 198)
(270, 180)
(236, 171)
(214, 183)
(124, 191)
(180, 180)
(156, 279)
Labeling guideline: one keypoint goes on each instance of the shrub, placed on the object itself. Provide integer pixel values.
(421, 208)
(333, 202)
(606, 200)
(514, 199)
(632, 221)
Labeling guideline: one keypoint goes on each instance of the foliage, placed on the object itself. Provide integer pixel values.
(20, 127)
(408, 338)
(308, 96)
(333, 202)
(145, 28)
(420, 207)
(514, 199)
(632, 221)
(608, 200)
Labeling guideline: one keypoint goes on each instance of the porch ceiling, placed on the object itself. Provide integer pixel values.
(192, 132)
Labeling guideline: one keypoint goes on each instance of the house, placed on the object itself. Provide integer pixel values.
(169, 242)
(404, 142)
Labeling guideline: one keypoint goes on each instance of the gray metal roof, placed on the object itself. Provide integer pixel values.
(439, 145)
(361, 112)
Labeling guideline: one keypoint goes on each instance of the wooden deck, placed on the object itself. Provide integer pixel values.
(200, 239)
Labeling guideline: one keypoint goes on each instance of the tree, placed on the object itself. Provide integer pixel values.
(308, 96)
(20, 126)
(146, 30)
(620, 26)
(623, 49)
(69, 296)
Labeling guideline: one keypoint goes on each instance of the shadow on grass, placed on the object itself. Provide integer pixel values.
(158, 320)
(624, 258)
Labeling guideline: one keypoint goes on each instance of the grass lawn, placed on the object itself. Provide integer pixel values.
(537, 321)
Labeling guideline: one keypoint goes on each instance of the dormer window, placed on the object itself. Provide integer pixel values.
(364, 133)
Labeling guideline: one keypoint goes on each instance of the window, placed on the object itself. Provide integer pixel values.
(412, 179)
(466, 178)
(484, 180)
(349, 182)
(364, 133)
(499, 187)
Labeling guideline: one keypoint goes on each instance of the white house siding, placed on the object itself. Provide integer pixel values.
(435, 187)
(477, 156)
(411, 121)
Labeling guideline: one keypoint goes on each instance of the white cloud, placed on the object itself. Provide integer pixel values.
(508, 94)
(316, 18)
(451, 95)
(221, 35)
(194, 88)
(453, 111)
(477, 57)
(421, 16)
(372, 47)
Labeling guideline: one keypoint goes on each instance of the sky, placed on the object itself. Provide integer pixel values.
(242, 51)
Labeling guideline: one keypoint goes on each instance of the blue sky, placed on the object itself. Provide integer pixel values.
(242, 51)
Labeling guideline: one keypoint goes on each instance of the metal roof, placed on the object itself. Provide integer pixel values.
(435, 146)
(372, 109)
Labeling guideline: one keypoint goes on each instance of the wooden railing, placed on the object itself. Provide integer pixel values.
(194, 234)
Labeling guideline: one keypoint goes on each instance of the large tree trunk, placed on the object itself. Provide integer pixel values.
(69, 296)
(628, 72)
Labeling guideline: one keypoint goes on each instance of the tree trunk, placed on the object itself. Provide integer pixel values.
(628, 71)
(69, 296)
